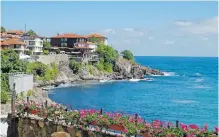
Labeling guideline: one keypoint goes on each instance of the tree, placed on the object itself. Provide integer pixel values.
(127, 55)
(107, 53)
(46, 45)
(3, 29)
(10, 62)
(31, 33)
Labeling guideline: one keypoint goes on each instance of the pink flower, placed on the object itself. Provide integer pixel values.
(125, 130)
(117, 135)
(193, 127)
(216, 129)
(184, 127)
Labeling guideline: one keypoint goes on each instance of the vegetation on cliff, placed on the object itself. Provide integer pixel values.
(41, 71)
(10, 63)
(75, 66)
(127, 55)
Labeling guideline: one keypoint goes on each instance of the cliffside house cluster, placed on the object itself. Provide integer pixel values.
(78, 47)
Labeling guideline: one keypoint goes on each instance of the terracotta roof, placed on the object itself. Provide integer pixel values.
(12, 42)
(95, 35)
(18, 32)
(4, 43)
(68, 36)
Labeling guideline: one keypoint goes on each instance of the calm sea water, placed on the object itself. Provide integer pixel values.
(188, 92)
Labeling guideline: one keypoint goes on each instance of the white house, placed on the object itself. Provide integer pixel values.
(23, 82)
(34, 44)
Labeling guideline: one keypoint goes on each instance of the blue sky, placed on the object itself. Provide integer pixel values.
(146, 28)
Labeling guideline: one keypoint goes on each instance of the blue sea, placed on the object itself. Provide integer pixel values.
(188, 92)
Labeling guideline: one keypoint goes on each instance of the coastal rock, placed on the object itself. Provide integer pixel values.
(128, 69)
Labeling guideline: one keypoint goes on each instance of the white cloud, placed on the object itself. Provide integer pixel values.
(199, 27)
(183, 23)
(186, 38)
(129, 29)
(168, 42)
(112, 31)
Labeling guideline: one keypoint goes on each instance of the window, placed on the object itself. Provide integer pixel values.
(41, 43)
(17, 46)
(31, 42)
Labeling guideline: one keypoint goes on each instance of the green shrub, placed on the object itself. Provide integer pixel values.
(4, 97)
(127, 55)
(42, 71)
(45, 52)
(108, 67)
(28, 52)
(29, 93)
(75, 66)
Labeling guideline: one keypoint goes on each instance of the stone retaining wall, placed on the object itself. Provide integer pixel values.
(27, 127)
(52, 58)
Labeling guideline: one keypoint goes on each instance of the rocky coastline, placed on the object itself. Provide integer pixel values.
(123, 70)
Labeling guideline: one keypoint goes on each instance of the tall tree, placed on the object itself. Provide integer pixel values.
(3, 29)
(31, 33)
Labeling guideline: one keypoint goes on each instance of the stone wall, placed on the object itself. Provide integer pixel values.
(51, 58)
(27, 127)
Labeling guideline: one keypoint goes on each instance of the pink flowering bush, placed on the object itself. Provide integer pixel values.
(130, 125)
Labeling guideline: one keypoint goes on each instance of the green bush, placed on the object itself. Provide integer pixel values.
(75, 66)
(4, 97)
(46, 45)
(127, 55)
(29, 93)
(28, 52)
(107, 53)
(42, 71)
(45, 52)
(108, 67)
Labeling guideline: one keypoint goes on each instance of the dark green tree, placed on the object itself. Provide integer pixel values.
(31, 33)
(3, 30)
(127, 55)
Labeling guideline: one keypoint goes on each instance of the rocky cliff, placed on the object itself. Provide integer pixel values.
(127, 69)
(123, 69)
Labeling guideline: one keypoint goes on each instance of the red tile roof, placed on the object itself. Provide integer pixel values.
(68, 36)
(17, 32)
(95, 35)
(12, 42)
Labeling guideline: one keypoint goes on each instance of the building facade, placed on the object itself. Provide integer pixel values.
(34, 44)
(66, 40)
(16, 44)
